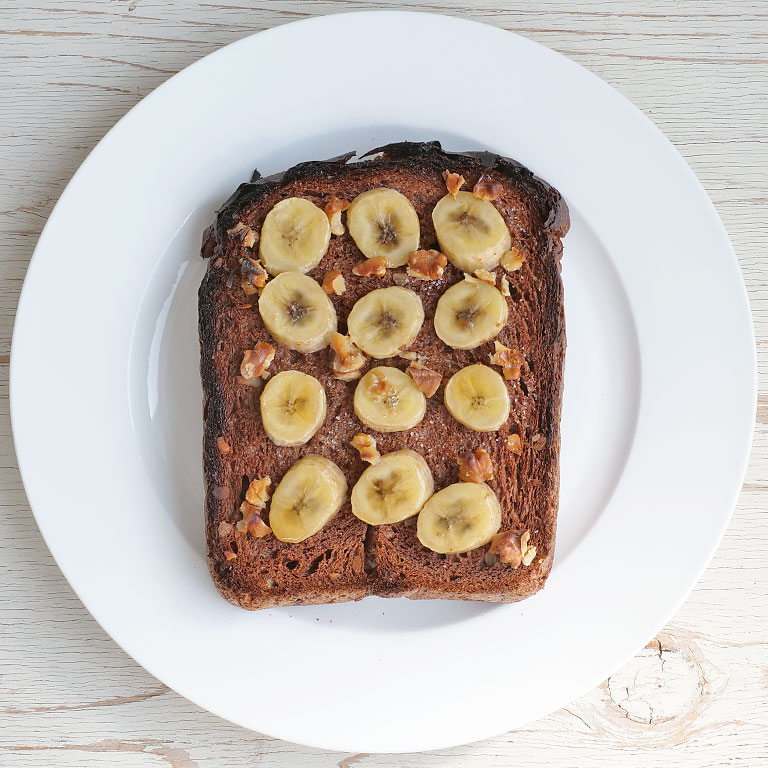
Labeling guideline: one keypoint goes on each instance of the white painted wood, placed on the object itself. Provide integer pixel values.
(696, 696)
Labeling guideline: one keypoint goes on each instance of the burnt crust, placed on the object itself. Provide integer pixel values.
(348, 559)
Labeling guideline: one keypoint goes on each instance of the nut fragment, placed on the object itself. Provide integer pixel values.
(347, 358)
(238, 228)
(254, 275)
(486, 276)
(475, 466)
(515, 444)
(226, 529)
(427, 265)
(256, 360)
(487, 188)
(454, 182)
(399, 278)
(505, 286)
(334, 283)
(427, 381)
(513, 548)
(510, 360)
(375, 267)
(366, 447)
(223, 446)
(333, 209)
(249, 238)
(229, 555)
(252, 522)
(512, 260)
(258, 492)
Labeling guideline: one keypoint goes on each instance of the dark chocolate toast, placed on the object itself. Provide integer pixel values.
(348, 559)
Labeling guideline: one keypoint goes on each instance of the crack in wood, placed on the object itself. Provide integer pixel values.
(113, 702)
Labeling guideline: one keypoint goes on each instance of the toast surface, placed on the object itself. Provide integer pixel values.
(347, 559)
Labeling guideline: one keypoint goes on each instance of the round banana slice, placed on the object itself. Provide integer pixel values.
(383, 223)
(292, 407)
(385, 321)
(388, 400)
(471, 232)
(294, 236)
(477, 397)
(297, 312)
(309, 495)
(393, 489)
(461, 517)
(470, 313)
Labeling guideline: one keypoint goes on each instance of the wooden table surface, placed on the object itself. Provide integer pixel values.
(697, 695)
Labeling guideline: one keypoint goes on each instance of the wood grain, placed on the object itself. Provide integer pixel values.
(697, 695)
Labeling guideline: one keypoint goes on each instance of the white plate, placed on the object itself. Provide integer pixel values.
(659, 399)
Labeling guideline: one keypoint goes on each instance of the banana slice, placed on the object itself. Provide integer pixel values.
(387, 400)
(297, 312)
(393, 489)
(383, 222)
(461, 517)
(477, 397)
(295, 235)
(470, 313)
(292, 407)
(309, 495)
(385, 321)
(471, 232)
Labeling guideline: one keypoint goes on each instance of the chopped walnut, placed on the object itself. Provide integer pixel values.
(258, 492)
(399, 278)
(427, 381)
(223, 446)
(226, 529)
(375, 267)
(510, 360)
(334, 283)
(427, 265)
(505, 286)
(249, 238)
(487, 188)
(347, 358)
(253, 273)
(365, 445)
(475, 466)
(538, 442)
(512, 260)
(257, 360)
(513, 548)
(333, 209)
(515, 444)
(381, 387)
(248, 289)
(486, 276)
(454, 182)
(229, 555)
(252, 522)
(238, 228)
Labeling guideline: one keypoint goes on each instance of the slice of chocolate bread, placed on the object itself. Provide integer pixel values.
(347, 558)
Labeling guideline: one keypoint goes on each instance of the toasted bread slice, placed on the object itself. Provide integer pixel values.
(348, 559)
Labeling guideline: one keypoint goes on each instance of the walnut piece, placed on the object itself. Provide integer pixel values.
(515, 444)
(454, 182)
(487, 188)
(375, 267)
(223, 446)
(333, 209)
(249, 238)
(512, 260)
(258, 492)
(427, 381)
(399, 278)
(334, 283)
(238, 228)
(252, 522)
(253, 273)
(229, 555)
(486, 276)
(510, 360)
(365, 445)
(513, 548)
(347, 358)
(475, 466)
(505, 286)
(381, 387)
(427, 265)
(257, 360)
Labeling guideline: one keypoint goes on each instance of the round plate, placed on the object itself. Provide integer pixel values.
(659, 396)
